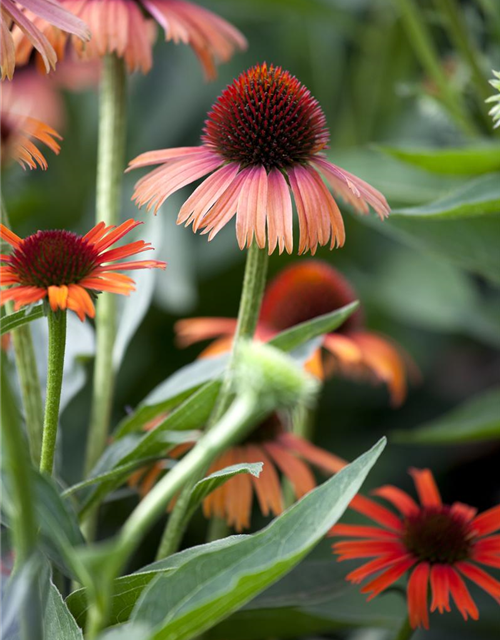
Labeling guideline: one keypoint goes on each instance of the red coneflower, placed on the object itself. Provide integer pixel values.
(68, 268)
(436, 544)
(302, 292)
(264, 135)
(122, 27)
(19, 129)
(270, 443)
(51, 12)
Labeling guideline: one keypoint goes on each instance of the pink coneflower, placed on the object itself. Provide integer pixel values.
(270, 443)
(265, 134)
(67, 269)
(51, 12)
(125, 27)
(302, 292)
(437, 545)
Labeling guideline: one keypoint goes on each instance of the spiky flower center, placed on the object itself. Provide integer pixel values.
(49, 258)
(437, 535)
(266, 118)
(304, 292)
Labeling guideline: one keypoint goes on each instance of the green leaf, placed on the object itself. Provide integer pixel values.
(477, 419)
(127, 589)
(186, 602)
(59, 530)
(464, 227)
(59, 624)
(475, 198)
(296, 336)
(210, 483)
(473, 160)
(313, 599)
(18, 319)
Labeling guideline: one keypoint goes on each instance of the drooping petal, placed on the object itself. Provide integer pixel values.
(440, 588)
(252, 209)
(388, 577)
(481, 578)
(279, 213)
(267, 486)
(192, 330)
(354, 549)
(58, 297)
(371, 567)
(360, 531)
(461, 596)
(317, 456)
(376, 512)
(417, 596)
(294, 469)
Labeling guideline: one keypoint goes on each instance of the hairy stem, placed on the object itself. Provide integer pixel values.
(254, 282)
(57, 345)
(110, 161)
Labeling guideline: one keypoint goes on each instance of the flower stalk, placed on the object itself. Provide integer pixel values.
(405, 632)
(254, 282)
(57, 345)
(112, 133)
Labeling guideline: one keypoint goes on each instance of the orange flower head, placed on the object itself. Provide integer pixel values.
(435, 544)
(68, 268)
(264, 136)
(128, 28)
(279, 450)
(302, 292)
(25, 14)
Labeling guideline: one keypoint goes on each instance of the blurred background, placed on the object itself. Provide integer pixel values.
(427, 287)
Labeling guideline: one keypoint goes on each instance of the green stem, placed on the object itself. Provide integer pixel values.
(242, 415)
(457, 30)
(405, 632)
(110, 163)
(254, 282)
(57, 345)
(425, 50)
(29, 381)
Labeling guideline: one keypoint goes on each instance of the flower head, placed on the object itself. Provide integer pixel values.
(302, 292)
(68, 268)
(25, 14)
(19, 130)
(279, 450)
(436, 544)
(127, 28)
(264, 135)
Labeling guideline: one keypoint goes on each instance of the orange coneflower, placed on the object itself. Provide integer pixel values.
(270, 443)
(68, 268)
(123, 27)
(19, 130)
(24, 14)
(436, 544)
(302, 292)
(265, 134)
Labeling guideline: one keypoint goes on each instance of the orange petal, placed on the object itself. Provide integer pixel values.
(427, 490)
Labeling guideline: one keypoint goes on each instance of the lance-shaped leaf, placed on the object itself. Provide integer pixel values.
(20, 318)
(205, 590)
(58, 622)
(478, 419)
(472, 160)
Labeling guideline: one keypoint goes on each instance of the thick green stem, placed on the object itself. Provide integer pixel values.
(426, 52)
(57, 345)
(110, 163)
(254, 282)
(405, 632)
(29, 381)
(242, 415)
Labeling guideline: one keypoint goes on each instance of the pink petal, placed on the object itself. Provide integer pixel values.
(279, 213)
